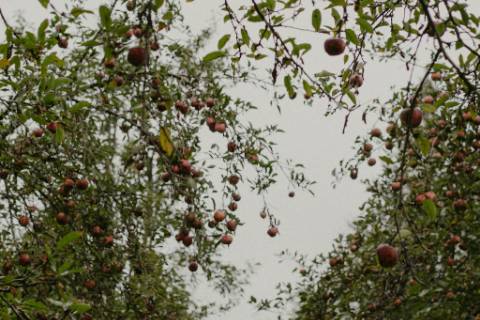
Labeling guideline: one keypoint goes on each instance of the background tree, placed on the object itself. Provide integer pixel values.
(105, 158)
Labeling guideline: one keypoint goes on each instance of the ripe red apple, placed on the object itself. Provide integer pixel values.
(226, 239)
(62, 43)
(24, 259)
(137, 56)
(431, 195)
(333, 262)
(62, 218)
(37, 132)
(460, 204)
(477, 120)
(187, 241)
(185, 166)
(231, 146)
(190, 218)
(23, 220)
(353, 174)
(420, 199)
(211, 123)
(376, 132)
(367, 147)
(210, 102)
(436, 76)
(108, 240)
(197, 223)
(272, 231)
(411, 117)
(232, 224)
(193, 266)
(371, 162)
(467, 116)
(450, 261)
(232, 206)
(233, 179)
(291, 194)
(389, 145)
(236, 197)
(68, 184)
(52, 127)
(396, 186)
(220, 127)
(90, 284)
(118, 80)
(334, 46)
(454, 240)
(428, 100)
(356, 80)
(387, 255)
(181, 106)
(82, 184)
(219, 215)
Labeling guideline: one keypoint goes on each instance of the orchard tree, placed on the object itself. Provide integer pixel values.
(413, 253)
(117, 140)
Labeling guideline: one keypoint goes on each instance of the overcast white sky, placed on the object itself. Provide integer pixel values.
(309, 224)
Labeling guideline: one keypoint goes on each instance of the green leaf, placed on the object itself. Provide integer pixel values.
(59, 135)
(287, 81)
(67, 239)
(423, 144)
(79, 106)
(316, 19)
(386, 159)
(245, 37)
(223, 41)
(105, 16)
(430, 209)
(79, 307)
(44, 3)
(77, 11)
(35, 305)
(41, 30)
(352, 37)
(158, 4)
(166, 141)
(214, 55)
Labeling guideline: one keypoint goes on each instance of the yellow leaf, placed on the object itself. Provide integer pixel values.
(166, 142)
(4, 63)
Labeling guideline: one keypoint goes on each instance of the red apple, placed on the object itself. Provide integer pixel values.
(23, 220)
(62, 218)
(232, 206)
(376, 132)
(231, 146)
(436, 76)
(52, 127)
(334, 46)
(193, 266)
(226, 239)
(411, 117)
(219, 215)
(428, 100)
(272, 231)
(110, 63)
(387, 255)
(371, 162)
(62, 43)
(90, 284)
(232, 224)
(38, 132)
(82, 184)
(220, 127)
(137, 56)
(356, 80)
(233, 179)
(24, 259)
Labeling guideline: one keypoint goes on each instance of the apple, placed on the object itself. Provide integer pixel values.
(431, 195)
(62, 43)
(367, 147)
(219, 215)
(353, 174)
(108, 240)
(376, 132)
(68, 184)
(210, 102)
(436, 76)
(181, 106)
(90, 284)
(428, 100)
(190, 218)
(129, 34)
(211, 123)
(226, 239)
(52, 127)
(387, 255)
(37, 132)
(232, 224)
(231, 146)
(450, 261)
(467, 116)
(334, 46)
(118, 80)
(197, 223)
(411, 117)
(138, 32)
(236, 197)
(263, 214)
(233, 179)
(477, 120)
(62, 218)
(396, 186)
(220, 127)
(272, 231)
(193, 266)
(185, 166)
(356, 80)
(165, 176)
(187, 241)
(420, 199)
(24, 259)
(82, 184)
(460, 204)
(291, 194)
(23, 220)
(389, 145)
(397, 302)
(371, 162)
(137, 56)
(232, 206)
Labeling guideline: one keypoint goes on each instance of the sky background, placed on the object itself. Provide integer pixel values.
(308, 223)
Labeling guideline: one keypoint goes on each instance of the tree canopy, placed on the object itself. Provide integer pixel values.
(107, 156)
